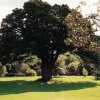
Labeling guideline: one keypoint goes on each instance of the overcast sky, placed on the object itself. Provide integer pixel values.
(6, 6)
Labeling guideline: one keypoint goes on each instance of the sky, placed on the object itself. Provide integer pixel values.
(6, 6)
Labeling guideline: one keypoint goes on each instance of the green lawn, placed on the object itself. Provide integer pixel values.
(63, 88)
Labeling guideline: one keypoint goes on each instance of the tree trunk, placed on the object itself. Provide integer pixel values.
(46, 71)
(47, 66)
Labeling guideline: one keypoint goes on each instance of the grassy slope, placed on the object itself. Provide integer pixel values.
(65, 88)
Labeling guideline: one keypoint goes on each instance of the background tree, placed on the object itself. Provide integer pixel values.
(80, 36)
(94, 17)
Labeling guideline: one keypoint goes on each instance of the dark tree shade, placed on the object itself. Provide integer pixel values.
(61, 10)
(11, 38)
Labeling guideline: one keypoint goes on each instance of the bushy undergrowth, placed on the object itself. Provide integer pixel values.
(66, 64)
(3, 71)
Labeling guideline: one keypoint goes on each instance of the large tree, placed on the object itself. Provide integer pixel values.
(35, 29)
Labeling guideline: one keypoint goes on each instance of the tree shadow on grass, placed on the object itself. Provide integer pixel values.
(22, 86)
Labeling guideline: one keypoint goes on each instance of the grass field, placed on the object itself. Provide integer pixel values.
(63, 88)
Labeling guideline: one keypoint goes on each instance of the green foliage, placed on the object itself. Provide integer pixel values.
(60, 68)
(3, 71)
(30, 72)
(81, 36)
(22, 68)
(61, 10)
(66, 62)
(32, 30)
(85, 72)
(34, 62)
(80, 30)
(97, 72)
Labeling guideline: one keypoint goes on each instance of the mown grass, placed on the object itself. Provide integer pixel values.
(63, 88)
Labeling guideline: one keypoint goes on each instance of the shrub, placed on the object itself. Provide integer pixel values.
(10, 74)
(85, 72)
(37, 68)
(60, 68)
(3, 71)
(97, 72)
(30, 72)
(67, 63)
(35, 63)
(20, 74)
(21, 68)
(39, 72)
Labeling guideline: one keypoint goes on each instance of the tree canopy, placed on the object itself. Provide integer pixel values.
(81, 36)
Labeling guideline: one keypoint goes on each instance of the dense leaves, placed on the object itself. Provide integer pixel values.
(33, 29)
(61, 10)
(80, 30)
(81, 36)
